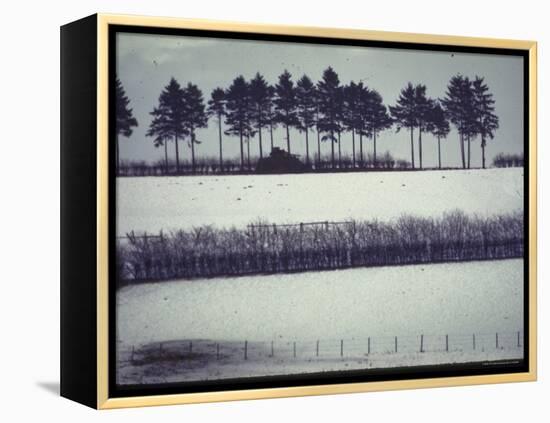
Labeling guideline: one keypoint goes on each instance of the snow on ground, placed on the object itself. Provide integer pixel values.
(458, 299)
(185, 367)
(198, 327)
(164, 203)
(398, 300)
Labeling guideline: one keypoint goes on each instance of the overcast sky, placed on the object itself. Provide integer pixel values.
(145, 63)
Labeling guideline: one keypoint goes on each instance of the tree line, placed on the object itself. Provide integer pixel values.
(253, 109)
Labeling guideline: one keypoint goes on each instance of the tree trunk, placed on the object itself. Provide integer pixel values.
(332, 147)
(318, 147)
(177, 155)
(468, 138)
(412, 146)
(271, 134)
(374, 145)
(420, 146)
(307, 146)
(166, 155)
(361, 148)
(193, 151)
(220, 135)
(439, 150)
(353, 145)
(288, 139)
(339, 151)
(242, 149)
(260, 140)
(117, 156)
(483, 152)
(248, 152)
(462, 151)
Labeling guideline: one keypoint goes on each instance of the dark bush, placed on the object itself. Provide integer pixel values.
(508, 160)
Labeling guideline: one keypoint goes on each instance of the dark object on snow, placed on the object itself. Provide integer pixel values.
(279, 161)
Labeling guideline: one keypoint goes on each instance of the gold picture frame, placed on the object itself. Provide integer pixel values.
(101, 23)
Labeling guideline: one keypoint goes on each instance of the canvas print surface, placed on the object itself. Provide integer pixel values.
(299, 208)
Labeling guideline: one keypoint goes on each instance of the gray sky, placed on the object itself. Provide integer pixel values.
(145, 64)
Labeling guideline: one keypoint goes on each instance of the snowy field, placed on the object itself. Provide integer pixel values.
(152, 204)
(455, 299)
(174, 364)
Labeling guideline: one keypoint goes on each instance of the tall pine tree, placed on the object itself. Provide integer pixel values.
(159, 129)
(305, 99)
(171, 110)
(259, 106)
(285, 104)
(237, 112)
(378, 118)
(352, 113)
(487, 120)
(404, 113)
(194, 117)
(328, 97)
(423, 105)
(125, 119)
(364, 114)
(459, 108)
(438, 125)
(216, 108)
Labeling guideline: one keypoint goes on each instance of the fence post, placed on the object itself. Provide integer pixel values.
(368, 346)
(422, 343)
(245, 350)
(474, 340)
(496, 340)
(294, 348)
(341, 347)
(217, 351)
(396, 344)
(272, 352)
(447, 343)
(518, 340)
(317, 349)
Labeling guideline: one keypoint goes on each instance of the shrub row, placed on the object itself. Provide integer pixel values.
(211, 165)
(263, 248)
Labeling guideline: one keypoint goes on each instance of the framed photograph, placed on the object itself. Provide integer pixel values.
(253, 211)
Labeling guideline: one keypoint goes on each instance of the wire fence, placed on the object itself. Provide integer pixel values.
(344, 348)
